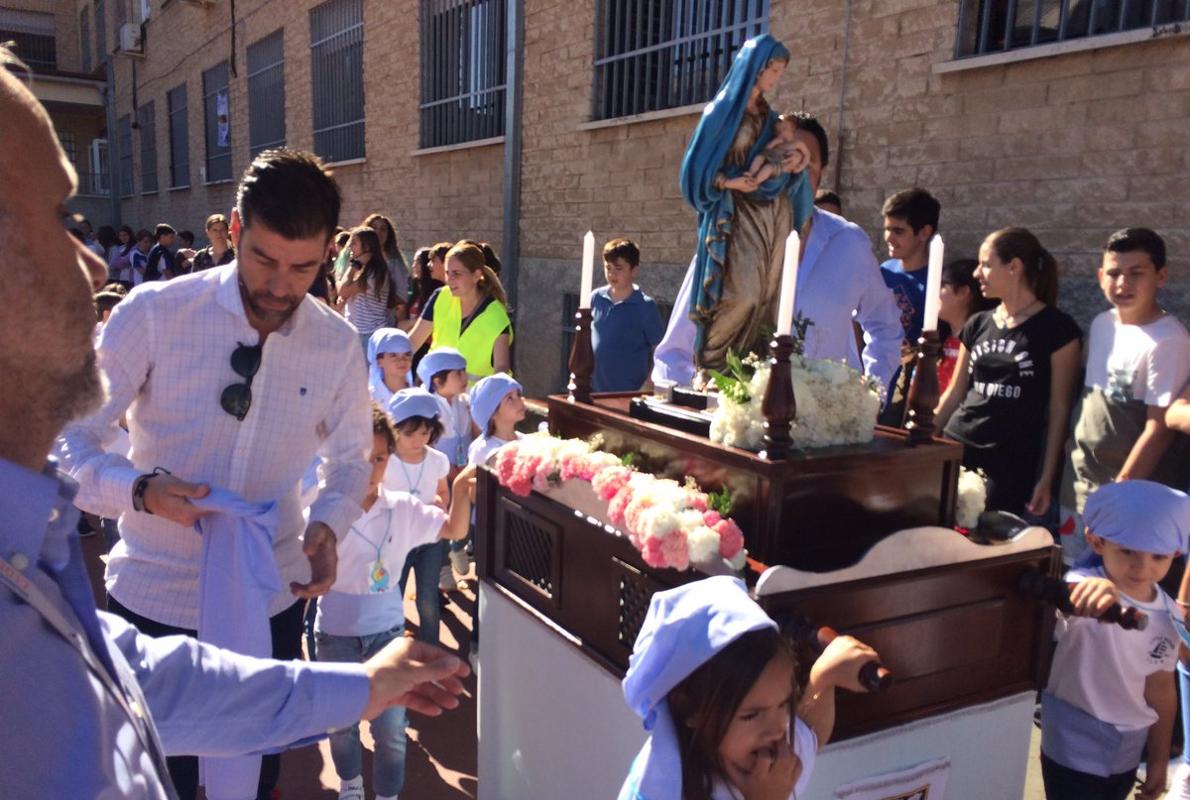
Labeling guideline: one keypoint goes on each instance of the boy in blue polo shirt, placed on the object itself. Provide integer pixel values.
(626, 324)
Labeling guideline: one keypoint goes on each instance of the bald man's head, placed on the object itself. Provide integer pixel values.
(46, 352)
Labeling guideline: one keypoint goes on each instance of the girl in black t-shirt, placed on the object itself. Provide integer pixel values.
(1010, 398)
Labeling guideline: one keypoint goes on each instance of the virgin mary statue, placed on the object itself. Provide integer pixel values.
(742, 225)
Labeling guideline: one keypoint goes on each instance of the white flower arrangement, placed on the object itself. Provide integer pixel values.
(836, 404)
(973, 498)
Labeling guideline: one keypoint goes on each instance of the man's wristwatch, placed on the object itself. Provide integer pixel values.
(139, 486)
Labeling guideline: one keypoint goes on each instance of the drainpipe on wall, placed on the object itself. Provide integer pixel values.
(514, 65)
(113, 140)
(842, 97)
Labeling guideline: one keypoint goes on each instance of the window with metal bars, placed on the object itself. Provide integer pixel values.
(85, 38)
(266, 93)
(146, 122)
(994, 26)
(32, 35)
(126, 177)
(217, 115)
(337, 79)
(179, 138)
(69, 147)
(652, 55)
(462, 70)
(100, 32)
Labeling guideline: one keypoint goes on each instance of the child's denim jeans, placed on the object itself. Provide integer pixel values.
(388, 729)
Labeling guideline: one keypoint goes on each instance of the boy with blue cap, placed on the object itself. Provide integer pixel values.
(713, 680)
(496, 408)
(1111, 691)
(364, 609)
(390, 357)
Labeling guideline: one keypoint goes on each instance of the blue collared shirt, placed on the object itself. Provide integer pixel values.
(623, 335)
(838, 280)
(64, 735)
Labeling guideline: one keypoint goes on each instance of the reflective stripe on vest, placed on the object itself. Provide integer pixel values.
(477, 341)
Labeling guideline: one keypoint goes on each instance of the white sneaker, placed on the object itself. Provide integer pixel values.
(352, 789)
(446, 580)
(1179, 787)
(460, 562)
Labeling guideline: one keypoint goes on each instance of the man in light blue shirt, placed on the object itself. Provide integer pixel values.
(838, 280)
(90, 705)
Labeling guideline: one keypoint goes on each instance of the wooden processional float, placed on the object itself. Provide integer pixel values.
(857, 538)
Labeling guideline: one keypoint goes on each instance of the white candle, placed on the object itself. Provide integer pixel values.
(788, 284)
(584, 295)
(934, 284)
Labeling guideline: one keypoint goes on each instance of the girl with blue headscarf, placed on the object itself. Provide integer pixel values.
(742, 225)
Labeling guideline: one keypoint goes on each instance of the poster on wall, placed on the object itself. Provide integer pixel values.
(224, 120)
(925, 781)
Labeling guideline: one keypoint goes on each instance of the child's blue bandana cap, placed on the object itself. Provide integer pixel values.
(683, 629)
(439, 360)
(486, 396)
(388, 340)
(412, 403)
(1139, 515)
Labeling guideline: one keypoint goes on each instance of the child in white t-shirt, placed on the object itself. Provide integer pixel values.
(496, 407)
(416, 467)
(363, 610)
(443, 373)
(390, 357)
(1111, 691)
(1138, 360)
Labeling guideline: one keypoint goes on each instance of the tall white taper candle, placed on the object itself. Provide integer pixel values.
(934, 284)
(788, 284)
(584, 296)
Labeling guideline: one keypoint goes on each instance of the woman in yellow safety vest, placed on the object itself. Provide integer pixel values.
(469, 314)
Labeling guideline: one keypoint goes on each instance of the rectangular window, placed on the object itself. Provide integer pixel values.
(147, 120)
(994, 26)
(85, 38)
(217, 113)
(462, 70)
(179, 138)
(100, 32)
(69, 147)
(125, 141)
(266, 93)
(337, 78)
(32, 35)
(656, 54)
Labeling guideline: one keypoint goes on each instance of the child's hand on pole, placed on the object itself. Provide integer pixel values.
(840, 663)
(1093, 596)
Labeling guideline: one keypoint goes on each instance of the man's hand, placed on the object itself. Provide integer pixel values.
(772, 777)
(1093, 596)
(419, 676)
(840, 663)
(169, 498)
(320, 546)
(1039, 503)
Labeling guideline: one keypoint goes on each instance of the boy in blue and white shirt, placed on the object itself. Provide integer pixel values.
(1111, 691)
(364, 609)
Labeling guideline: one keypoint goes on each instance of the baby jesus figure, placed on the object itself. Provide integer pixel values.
(781, 146)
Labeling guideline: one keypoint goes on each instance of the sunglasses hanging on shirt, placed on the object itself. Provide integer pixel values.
(237, 398)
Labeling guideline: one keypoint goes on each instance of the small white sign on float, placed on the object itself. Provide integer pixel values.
(925, 781)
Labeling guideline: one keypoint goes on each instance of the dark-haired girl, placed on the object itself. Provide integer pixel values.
(714, 681)
(1010, 398)
(119, 257)
(366, 296)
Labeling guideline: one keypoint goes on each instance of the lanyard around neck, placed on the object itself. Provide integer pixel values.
(414, 486)
(388, 527)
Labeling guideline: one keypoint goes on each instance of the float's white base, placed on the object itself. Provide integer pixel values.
(553, 724)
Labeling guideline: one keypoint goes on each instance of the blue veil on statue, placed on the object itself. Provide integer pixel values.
(704, 161)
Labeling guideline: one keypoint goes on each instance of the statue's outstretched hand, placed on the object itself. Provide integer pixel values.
(797, 160)
(741, 184)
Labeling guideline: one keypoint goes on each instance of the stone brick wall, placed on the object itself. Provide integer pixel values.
(430, 197)
(1071, 146)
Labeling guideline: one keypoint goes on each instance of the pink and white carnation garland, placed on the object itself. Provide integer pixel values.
(670, 523)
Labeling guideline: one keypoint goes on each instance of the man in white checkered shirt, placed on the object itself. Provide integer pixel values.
(231, 377)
